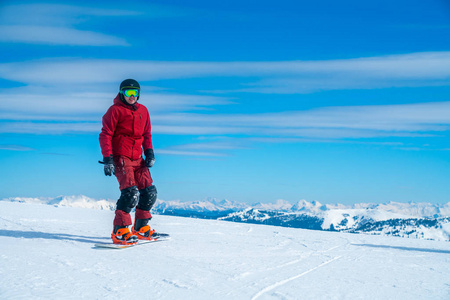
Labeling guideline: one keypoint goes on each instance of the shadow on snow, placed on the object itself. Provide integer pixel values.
(404, 248)
(50, 236)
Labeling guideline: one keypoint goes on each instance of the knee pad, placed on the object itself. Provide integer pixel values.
(147, 198)
(128, 199)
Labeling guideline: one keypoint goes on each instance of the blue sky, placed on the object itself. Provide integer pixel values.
(253, 101)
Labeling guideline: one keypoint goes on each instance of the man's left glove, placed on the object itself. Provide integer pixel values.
(149, 157)
(109, 166)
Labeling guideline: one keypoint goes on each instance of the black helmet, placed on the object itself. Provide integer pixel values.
(129, 84)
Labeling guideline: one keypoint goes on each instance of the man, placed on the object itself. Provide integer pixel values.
(126, 132)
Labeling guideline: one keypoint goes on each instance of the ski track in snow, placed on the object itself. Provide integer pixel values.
(47, 252)
(297, 261)
(280, 283)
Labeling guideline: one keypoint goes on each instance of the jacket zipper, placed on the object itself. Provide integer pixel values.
(134, 142)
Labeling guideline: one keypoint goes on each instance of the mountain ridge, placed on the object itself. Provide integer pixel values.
(412, 220)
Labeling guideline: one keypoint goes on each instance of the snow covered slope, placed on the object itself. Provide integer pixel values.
(46, 252)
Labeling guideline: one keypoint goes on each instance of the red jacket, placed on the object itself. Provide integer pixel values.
(126, 130)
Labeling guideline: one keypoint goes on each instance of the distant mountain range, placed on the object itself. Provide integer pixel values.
(412, 220)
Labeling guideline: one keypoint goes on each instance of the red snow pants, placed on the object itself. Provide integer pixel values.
(131, 173)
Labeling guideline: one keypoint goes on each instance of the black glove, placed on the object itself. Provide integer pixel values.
(109, 167)
(149, 157)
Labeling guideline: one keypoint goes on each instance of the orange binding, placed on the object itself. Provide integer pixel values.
(144, 233)
(123, 236)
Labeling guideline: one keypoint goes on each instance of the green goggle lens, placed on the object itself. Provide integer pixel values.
(131, 92)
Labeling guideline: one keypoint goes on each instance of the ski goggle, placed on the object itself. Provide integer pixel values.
(130, 92)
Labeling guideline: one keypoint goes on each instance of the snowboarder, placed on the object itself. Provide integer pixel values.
(126, 132)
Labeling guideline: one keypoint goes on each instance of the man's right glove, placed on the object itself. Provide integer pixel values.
(109, 165)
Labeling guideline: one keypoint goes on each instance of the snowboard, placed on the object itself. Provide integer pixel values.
(156, 237)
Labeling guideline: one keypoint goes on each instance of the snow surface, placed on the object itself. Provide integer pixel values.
(46, 252)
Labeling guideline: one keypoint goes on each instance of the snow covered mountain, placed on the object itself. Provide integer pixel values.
(351, 220)
(412, 220)
(210, 208)
(70, 201)
(415, 220)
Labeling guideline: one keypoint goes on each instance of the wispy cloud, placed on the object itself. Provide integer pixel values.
(212, 145)
(356, 121)
(190, 153)
(57, 36)
(416, 69)
(408, 120)
(49, 127)
(54, 104)
(58, 14)
(15, 148)
(206, 148)
(55, 24)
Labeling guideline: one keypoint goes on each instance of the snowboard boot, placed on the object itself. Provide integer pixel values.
(142, 229)
(122, 235)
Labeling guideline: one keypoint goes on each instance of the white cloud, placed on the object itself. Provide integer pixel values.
(55, 24)
(52, 93)
(183, 128)
(223, 133)
(54, 103)
(372, 120)
(189, 153)
(57, 36)
(212, 145)
(206, 148)
(407, 120)
(49, 128)
(159, 102)
(416, 69)
(15, 148)
(170, 115)
(56, 14)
